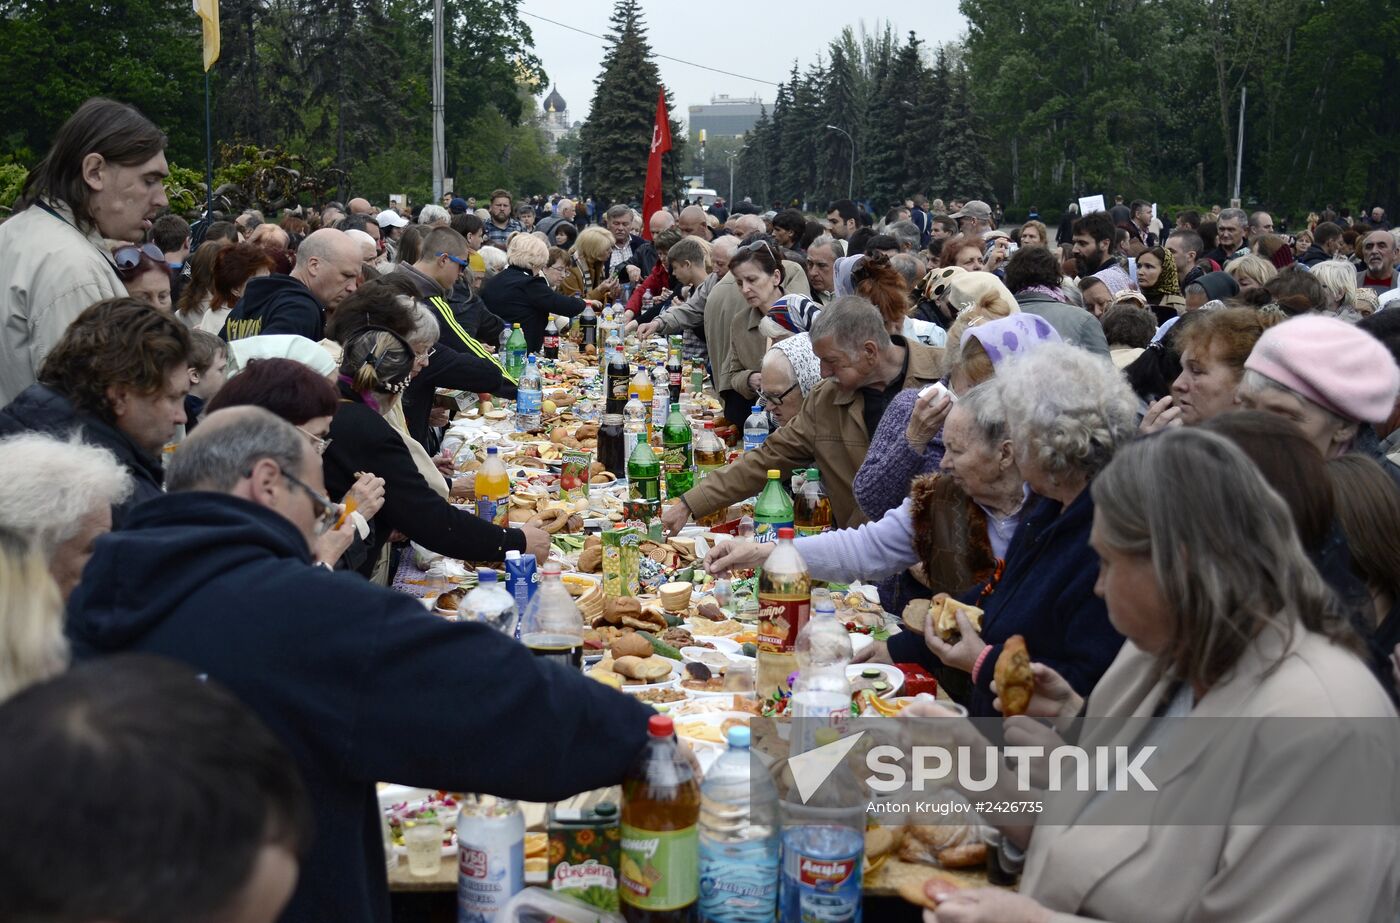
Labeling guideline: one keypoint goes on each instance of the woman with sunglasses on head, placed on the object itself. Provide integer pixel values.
(375, 369)
(297, 394)
(145, 274)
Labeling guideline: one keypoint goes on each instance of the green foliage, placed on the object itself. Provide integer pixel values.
(185, 189)
(12, 177)
(344, 83)
(616, 139)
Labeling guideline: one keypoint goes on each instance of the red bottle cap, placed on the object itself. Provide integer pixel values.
(660, 726)
(786, 532)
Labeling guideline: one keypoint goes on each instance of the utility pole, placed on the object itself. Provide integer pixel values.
(439, 104)
(1239, 149)
(850, 180)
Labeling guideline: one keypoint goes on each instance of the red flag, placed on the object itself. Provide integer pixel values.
(660, 144)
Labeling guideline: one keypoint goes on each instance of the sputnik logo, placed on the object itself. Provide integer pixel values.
(811, 769)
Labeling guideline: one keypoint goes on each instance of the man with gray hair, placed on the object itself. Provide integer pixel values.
(863, 367)
(351, 677)
(59, 495)
(1229, 236)
(907, 233)
(822, 255)
(327, 272)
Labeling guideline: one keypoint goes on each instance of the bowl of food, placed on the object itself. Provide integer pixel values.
(448, 604)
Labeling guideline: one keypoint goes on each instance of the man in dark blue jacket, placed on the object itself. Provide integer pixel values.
(360, 683)
(326, 273)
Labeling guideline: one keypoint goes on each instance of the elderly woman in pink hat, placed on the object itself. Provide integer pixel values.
(1330, 378)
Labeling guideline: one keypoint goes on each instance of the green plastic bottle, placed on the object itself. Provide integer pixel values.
(677, 457)
(644, 476)
(773, 511)
(515, 353)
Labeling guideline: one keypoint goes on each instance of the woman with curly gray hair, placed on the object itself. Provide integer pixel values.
(1067, 412)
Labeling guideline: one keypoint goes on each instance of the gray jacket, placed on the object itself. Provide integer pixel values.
(1075, 325)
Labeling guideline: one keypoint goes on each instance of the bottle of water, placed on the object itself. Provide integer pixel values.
(636, 424)
(661, 384)
(739, 838)
(821, 697)
(823, 846)
(755, 429)
(529, 394)
(490, 604)
(490, 857)
(647, 302)
(505, 343)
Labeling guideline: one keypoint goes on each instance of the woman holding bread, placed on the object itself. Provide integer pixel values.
(1225, 617)
(958, 524)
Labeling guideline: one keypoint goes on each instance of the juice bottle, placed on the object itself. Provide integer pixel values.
(642, 385)
(784, 595)
(659, 878)
(493, 489)
(709, 456)
(811, 506)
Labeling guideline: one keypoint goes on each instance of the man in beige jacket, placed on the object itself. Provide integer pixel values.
(101, 180)
(863, 368)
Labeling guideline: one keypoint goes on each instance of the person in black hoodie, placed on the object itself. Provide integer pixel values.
(519, 294)
(118, 376)
(1326, 244)
(374, 371)
(360, 683)
(326, 273)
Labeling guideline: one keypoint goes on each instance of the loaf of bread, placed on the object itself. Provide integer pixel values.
(1014, 679)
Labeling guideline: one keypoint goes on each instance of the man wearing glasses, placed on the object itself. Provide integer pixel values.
(863, 367)
(360, 683)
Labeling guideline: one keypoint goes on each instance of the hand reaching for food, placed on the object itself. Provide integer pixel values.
(730, 556)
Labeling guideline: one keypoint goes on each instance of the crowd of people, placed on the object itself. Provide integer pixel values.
(1167, 455)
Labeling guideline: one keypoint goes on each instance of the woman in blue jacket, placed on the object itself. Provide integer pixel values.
(1067, 411)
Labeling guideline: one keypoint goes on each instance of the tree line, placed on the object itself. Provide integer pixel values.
(344, 85)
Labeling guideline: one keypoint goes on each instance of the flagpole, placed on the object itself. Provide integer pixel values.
(208, 154)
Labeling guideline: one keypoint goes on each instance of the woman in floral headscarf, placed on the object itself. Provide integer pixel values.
(1157, 280)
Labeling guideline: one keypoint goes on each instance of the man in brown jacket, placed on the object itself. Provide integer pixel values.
(863, 368)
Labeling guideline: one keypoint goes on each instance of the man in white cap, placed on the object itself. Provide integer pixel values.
(391, 225)
(974, 218)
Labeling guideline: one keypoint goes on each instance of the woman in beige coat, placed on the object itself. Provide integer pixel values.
(1225, 618)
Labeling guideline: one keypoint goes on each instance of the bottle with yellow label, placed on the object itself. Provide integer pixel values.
(493, 489)
(659, 870)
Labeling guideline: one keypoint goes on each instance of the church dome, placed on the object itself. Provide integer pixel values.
(554, 102)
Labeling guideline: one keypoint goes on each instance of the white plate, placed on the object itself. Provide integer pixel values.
(671, 683)
(893, 675)
(713, 719)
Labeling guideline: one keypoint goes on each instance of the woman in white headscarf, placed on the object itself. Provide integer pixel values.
(790, 371)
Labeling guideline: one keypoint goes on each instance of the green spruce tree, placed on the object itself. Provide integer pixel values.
(616, 138)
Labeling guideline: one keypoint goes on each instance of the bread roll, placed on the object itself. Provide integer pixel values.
(1014, 679)
(630, 645)
(916, 613)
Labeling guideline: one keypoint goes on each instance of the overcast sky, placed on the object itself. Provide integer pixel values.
(763, 37)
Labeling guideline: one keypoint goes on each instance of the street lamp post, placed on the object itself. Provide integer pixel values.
(850, 180)
(732, 155)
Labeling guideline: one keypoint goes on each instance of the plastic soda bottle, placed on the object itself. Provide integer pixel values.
(493, 489)
(529, 395)
(515, 352)
(660, 835)
(552, 626)
(709, 456)
(551, 339)
(755, 429)
(773, 511)
(644, 476)
(677, 455)
(784, 596)
(821, 697)
(660, 405)
(490, 603)
(739, 838)
(636, 423)
(811, 506)
(823, 845)
(490, 857)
